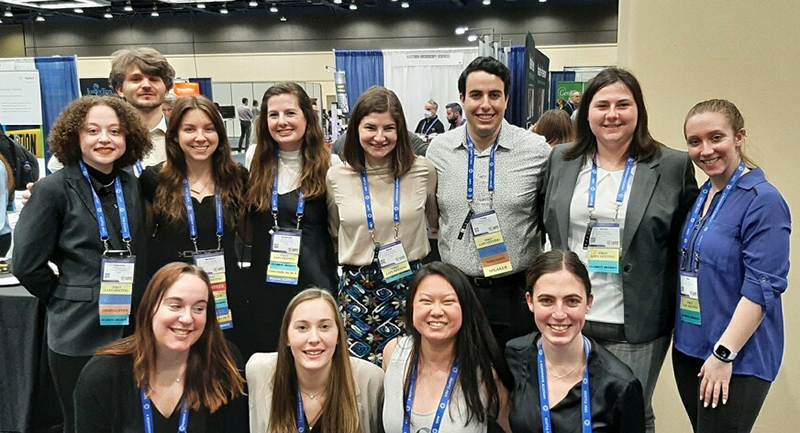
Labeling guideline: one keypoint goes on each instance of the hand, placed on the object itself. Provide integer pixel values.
(26, 195)
(716, 379)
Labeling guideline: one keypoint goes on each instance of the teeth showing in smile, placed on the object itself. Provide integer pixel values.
(313, 352)
(200, 147)
(485, 116)
(559, 327)
(436, 324)
(710, 161)
(180, 332)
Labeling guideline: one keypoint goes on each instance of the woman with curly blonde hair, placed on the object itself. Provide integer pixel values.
(88, 220)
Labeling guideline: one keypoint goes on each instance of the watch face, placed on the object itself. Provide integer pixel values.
(723, 352)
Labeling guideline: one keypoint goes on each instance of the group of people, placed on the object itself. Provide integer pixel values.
(585, 327)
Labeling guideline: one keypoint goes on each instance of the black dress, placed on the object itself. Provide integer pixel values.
(169, 240)
(107, 400)
(616, 395)
(267, 301)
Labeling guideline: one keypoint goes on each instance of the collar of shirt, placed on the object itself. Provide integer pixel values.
(506, 144)
(750, 179)
(162, 126)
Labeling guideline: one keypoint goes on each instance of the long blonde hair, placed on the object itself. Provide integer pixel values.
(340, 411)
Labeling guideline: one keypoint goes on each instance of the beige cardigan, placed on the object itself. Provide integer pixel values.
(369, 391)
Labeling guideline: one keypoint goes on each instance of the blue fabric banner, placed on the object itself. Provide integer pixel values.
(363, 69)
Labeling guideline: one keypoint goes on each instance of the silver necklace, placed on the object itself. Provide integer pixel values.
(312, 396)
(559, 377)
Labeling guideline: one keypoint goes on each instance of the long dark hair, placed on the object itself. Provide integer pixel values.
(169, 201)
(212, 378)
(643, 145)
(554, 261)
(476, 347)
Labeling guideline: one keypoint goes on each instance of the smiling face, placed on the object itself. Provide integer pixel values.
(197, 135)
(180, 318)
(102, 138)
(437, 310)
(714, 145)
(286, 121)
(313, 336)
(145, 92)
(559, 304)
(378, 135)
(613, 115)
(485, 101)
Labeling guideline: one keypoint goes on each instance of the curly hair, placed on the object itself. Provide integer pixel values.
(169, 200)
(65, 137)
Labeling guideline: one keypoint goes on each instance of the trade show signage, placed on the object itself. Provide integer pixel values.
(96, 87)
(428, 59)
(20, 98)
(31, 139)
(564, 88)
(537, 69)
(186, 89)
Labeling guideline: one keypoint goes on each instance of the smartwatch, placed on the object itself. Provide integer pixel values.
(723, 353)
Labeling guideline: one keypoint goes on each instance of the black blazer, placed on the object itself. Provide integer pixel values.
(59, 224)
(663, 191)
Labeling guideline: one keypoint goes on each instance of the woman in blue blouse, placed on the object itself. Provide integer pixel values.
(734, 262)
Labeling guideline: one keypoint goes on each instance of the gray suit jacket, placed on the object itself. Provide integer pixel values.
(662, 193)
(59, 224)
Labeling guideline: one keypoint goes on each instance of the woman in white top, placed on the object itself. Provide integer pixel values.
(380, 205)
(286, 193)
(311, 384)
(448, 375)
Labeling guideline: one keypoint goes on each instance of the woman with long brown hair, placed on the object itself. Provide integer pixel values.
(312, 384)
(176, 370)
(292, 248)
(195, 199)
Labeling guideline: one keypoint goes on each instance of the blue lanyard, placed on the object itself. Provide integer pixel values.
(435, 119)
(138, 168)
(697, 210)
(544, 395)
(301, 202)
(446, 395)
(101, 216)
(147, 412)
(302, 425)
(471, 173)
(187, 197)
(623, 186)
(368, 206)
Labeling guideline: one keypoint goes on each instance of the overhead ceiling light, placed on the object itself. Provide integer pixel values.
(460, 30)
(201, 6)
(78, 11)
(487, 2)
(8, 14)
(253, 4)
(108, 15)
(128, 8)
(273, 9)
(404, 5)
(353, 6)
(283, 18)
(472, 38)
(542, 1)
(39, 18)
(155, 12)
(224, 10)
(338, 2)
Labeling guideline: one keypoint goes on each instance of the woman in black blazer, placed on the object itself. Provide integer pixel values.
(617, 197)
(94, 137)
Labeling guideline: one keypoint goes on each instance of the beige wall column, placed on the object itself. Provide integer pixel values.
(686, 51)
(12, 41)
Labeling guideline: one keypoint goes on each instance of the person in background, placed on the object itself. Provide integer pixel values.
(560, 103)
(430, 125)
(555, 126)
(88, 220)
(168, 105)
(175, 370)
(255, 110)
(729, 332)
(380, 244)
(617, 198)
(6, 191)
(245, 123)
(505, 165)
(448, 374)
(455, 115)
(558, 358)
(311, 384)
(286, 192)
(574, 102)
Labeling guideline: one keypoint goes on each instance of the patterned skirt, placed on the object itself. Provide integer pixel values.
(373, 310)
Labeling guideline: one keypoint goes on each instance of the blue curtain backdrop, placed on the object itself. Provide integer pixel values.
(555, 78)
(58, 78)
(516, 114)
(205, 87)
(363, 69)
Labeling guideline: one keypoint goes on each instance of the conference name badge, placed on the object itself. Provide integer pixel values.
(690, 302)
(490, 244)
(213, 263)
(116, 290)
(604, 248)
(394, 262)
(284, 257)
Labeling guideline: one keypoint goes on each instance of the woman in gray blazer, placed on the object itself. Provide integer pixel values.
(617, 198)
(64, 223)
